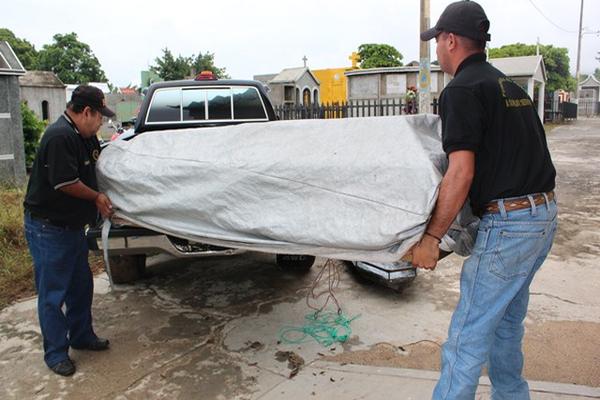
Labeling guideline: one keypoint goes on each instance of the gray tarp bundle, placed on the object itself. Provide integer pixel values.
(352, 189)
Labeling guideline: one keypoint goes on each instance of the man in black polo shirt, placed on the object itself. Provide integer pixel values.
(62, 197)
(499, 158)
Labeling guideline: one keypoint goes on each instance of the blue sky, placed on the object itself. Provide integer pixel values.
(258, 37)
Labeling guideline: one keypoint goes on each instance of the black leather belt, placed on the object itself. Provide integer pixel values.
(49, 221)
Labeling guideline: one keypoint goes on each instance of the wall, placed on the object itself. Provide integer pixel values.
(275, 94)
(54, 96)
(388, 85)
(12, 155)
(126, 106)
(334, 85)
(306, 81)
(363, 87)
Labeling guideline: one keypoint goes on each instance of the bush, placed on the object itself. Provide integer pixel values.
(16, 268)
(32, 130)
(16, 265)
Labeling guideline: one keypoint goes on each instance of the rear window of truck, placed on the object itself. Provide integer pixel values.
(187, 105)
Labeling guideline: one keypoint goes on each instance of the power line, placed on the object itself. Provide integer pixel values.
(548, 19)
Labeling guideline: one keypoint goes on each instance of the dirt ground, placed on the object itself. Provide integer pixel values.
(558, 351)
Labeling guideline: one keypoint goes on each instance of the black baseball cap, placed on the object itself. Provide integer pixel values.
(86, 95)
(463, 18)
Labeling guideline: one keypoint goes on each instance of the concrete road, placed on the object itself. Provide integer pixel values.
(210, 328)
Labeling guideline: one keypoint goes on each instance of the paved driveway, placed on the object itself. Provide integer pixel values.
(209, 329)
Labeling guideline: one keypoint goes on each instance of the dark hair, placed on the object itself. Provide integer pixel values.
(472, 44)
(85, 95)
(78, 108)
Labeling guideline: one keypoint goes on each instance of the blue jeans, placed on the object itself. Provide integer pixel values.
(62, 276)
(487, 325)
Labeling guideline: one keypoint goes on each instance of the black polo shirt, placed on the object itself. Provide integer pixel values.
(485, 112)
(63, 158)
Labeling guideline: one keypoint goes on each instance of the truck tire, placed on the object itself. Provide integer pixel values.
(127, 269)
(295, 263)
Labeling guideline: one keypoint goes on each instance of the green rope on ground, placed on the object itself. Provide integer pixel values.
(326, 328)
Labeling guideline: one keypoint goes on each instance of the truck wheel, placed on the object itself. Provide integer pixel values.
(295, 263)
(127, 269)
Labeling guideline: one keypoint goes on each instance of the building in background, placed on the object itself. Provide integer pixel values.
(377, 84)
(126, 104)
(589, 97)
(590, 89)
(44, 93)
(148, 78)
(103, 86)
(334, 84)
(292, 86)
(12, 153)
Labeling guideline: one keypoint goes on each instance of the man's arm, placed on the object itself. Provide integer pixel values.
(454, 190)
(82, 191)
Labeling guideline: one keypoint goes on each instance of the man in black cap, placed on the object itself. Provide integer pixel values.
(499, 159)
(62, 197)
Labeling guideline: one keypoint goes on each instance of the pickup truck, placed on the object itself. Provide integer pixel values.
(202, 102)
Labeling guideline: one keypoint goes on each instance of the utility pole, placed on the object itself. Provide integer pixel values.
(424, 64)
(579, 52)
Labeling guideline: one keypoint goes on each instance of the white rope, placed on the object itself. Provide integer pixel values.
(105, 231)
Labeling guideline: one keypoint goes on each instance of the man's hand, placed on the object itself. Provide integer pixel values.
(453, 193)
(104, 205)
(82, 191)
(426, 253)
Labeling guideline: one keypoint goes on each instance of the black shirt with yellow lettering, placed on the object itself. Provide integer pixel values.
(64, 157)
(485, 112)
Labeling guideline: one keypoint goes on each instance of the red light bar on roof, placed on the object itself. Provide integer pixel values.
(205, 76)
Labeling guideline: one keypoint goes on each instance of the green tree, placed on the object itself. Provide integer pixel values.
(556, 60)
(597, 73)
(374, 55)
(170, 68)
(24, 50)
(71, 60)
(32, 130)
(206, 62)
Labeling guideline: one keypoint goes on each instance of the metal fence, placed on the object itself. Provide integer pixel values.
(557, 111)
(350, 109)
(588, 108)
(554, 110)
(568, 110)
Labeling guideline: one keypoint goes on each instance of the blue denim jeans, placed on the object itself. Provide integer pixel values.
(62, 277)
(487, 325)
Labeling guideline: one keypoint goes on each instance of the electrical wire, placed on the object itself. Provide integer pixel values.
(549, 20)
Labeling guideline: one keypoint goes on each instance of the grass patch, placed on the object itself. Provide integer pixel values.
(548, 127)
(16, 267)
